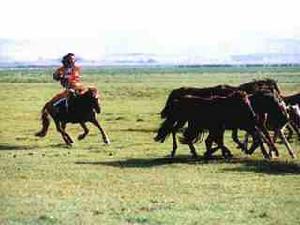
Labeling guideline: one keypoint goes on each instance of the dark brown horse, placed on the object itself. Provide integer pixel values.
(272, 115)
(81, 109)
(215, 114)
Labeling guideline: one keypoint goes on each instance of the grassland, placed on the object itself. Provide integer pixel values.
(131, 181)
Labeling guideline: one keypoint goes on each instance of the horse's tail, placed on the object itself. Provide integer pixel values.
(192, 134)
(165, 129)
(45, 122)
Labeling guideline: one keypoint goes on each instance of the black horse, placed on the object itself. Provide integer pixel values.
(81, 109)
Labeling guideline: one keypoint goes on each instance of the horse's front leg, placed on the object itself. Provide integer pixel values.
(293, 127)
(286, 143)
(63, 125)
(64, 135)
(174, 144)
(258, 140)
(104, 135)
(268, 138)
(85, 131)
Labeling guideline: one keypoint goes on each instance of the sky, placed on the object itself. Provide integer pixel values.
(34, 29)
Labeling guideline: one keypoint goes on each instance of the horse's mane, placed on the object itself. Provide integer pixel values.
(256, 85)
(234, 94)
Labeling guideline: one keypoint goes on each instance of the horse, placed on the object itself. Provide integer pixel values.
(81, 109)
(293, 102)
(294, 113)
(215, 114)
(272, 114)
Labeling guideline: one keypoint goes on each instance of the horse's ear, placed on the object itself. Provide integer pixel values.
(95, 92)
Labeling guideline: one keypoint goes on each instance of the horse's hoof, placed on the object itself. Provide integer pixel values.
(207, 156)
(40, 134)
(228, 157)
(107, 141)
(171, 157)
(80, 137)
(195, 156)
(68, 143)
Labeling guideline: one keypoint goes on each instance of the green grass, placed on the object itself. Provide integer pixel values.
(131, 181)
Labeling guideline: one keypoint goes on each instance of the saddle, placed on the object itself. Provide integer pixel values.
(63, 104)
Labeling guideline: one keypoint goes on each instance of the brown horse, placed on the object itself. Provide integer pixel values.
(81, 109)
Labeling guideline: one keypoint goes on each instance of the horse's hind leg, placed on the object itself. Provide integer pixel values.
(220, 142)
(179, 125)
(104, 135)
(234, 136)
(85, 131)
(208, 145)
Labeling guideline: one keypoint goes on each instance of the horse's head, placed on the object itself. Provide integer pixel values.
(242, 99)
(93, 97)
(276, 107)
(272, 85)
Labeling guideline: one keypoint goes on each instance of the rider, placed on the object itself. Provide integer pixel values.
(69, 76)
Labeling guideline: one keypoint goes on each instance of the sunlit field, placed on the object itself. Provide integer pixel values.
(132, 181)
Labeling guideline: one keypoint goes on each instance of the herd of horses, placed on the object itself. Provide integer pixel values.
(256, 107)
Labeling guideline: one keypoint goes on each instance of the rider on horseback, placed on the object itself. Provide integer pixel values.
(69, 77)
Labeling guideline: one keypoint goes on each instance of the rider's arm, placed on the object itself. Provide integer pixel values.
(58, 74)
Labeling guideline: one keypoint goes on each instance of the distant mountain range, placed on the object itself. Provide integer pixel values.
(273, 51)
(140, 59)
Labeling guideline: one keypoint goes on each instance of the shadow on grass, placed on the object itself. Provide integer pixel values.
(267, 167)
(246, 165)
(11, 147)
(60, 145)
(142, 130)
(152, 162)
